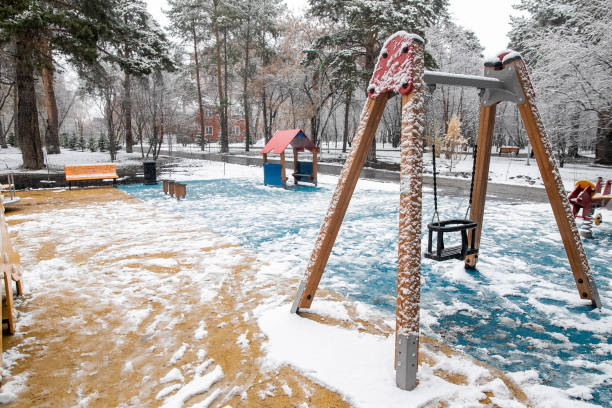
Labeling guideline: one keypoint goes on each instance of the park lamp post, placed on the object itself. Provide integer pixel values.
(318, 53)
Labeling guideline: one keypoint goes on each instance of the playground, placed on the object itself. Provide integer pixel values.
(188, 301)
(201, 291)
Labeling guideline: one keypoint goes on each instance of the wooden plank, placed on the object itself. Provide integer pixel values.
(410, 209)
(283, 172)
(481, 175)
(368, 123)
(90, 172)
(8, 287)
(314, 167)
(543, 151)
(295, 160)
(409, 238)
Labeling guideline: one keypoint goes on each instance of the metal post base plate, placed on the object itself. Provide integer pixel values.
(298, 296)
(406, 357)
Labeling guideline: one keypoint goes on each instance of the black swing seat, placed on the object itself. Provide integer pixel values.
(455, 252)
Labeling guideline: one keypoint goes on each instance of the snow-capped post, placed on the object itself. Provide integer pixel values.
(409, 237)
(399, 69)
(481, 175)
(544, 155)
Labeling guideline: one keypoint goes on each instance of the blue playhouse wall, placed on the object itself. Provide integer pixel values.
(272, 174)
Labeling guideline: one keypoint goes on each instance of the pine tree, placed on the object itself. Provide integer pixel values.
(365, 24)
(11, 139)
(91, 144)
(102, 143)
(82, 31)
(81, 143)
(189, 22)
(64, 139)
(73, 142)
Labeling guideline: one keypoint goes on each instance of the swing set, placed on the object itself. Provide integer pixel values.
(400, 69)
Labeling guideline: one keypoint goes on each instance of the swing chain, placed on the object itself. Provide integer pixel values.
(435, 214)
(472, 182)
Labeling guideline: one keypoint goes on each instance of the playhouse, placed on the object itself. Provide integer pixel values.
(275, 173)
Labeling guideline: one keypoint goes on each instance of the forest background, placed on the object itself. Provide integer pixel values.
(104, 75)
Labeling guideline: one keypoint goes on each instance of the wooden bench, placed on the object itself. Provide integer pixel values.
(10, 271)
(509, 150)
(91, 172)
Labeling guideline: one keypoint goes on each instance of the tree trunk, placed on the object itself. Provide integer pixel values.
(27, 113)
(245, 103)
(15, 109)
(603, 147)
(267, 126)
(313, 130)
(225, 106)
(347, 107)
(52, 129)
(127, 111)
(370, 63)
(110, 125)
(197, 72)
(4, 132)
(222, 101)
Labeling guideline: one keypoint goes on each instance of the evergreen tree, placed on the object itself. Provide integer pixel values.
(102, 143)
(188, 22)
(12, 140)
(73, 142)
(363, 26)
(81, 31)
(81, 143)
(71, 27)
(64, 139)
(91, 143)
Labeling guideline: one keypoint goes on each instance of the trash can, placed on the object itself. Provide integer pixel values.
(150, 176)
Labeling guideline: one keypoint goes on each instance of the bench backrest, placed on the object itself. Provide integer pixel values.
(90, 169)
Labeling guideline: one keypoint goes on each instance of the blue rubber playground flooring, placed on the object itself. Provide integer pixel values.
(519, 311)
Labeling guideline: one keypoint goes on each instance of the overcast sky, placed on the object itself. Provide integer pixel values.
(489, 19)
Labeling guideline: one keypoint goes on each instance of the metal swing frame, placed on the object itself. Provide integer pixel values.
(400, 69)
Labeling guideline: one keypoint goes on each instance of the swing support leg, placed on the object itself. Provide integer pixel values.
(542, 148)
(481, 176)
(368, 123)
(409, 239)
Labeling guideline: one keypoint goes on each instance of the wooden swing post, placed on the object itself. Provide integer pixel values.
(399, 69)
(562, 210)
(409, 234)
(368, 123)
(481, 175)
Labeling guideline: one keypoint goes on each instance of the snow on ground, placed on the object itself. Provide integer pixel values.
(503, 169)
(107, 321)
(520, 310)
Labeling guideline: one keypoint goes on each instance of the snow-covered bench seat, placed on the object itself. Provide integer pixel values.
(91, 172)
